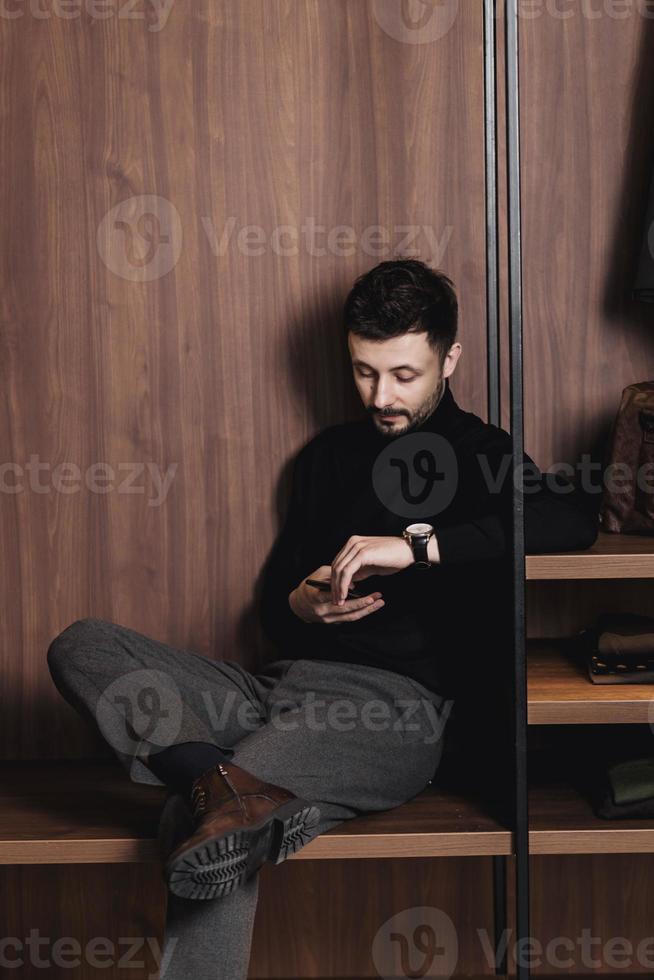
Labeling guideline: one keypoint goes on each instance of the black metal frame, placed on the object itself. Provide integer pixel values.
(517, 432)
(492, 261)
(520, 730)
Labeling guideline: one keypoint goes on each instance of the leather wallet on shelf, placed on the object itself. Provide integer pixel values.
(619, 649)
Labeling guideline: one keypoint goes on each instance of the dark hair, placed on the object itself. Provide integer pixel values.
(403, 296)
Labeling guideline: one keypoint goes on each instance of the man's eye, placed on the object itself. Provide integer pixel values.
(404, 381)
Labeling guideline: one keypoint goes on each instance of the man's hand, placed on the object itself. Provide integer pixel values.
(314, 606)
(362, 556)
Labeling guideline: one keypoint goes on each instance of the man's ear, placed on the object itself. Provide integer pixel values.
(451, 359)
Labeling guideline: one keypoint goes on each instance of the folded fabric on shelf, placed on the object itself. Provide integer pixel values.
(624, 790)
(632, 780)
(642, 810)
(620, 634)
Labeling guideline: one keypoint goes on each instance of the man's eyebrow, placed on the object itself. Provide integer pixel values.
(398, 367)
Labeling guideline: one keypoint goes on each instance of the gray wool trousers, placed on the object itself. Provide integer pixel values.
(349, 738)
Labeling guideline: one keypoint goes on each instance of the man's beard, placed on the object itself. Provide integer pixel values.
(421, 413)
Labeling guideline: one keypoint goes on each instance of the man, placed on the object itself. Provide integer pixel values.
(410, 506)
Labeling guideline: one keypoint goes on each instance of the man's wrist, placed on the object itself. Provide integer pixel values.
(410, 558)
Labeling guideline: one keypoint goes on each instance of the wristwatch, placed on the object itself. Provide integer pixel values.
(418, 536)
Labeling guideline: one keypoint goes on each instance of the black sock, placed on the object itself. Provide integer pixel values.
(178, 766)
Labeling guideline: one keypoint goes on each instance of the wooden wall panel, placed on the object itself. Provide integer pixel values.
(587, 157)
(587, 118)
(274, 113)
(587, 152)
(81, 922)
(563, 608)
(590, 913)
(216, 367)
(174, 331)
(607, 896)
(296, 935)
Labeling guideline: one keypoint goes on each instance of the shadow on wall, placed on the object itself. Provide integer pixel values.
(316, 358)
(631, 212)
(314, 364)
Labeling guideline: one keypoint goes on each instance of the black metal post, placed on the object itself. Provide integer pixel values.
(517, 432)
(493, 362)
(492, 283)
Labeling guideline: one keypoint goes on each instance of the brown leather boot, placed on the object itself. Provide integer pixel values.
(240, 822)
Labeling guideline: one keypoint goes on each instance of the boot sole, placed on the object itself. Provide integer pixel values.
(221, 864)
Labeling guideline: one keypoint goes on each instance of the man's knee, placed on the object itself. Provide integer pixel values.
(72, 639)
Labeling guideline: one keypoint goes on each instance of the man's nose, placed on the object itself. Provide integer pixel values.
(384, 395)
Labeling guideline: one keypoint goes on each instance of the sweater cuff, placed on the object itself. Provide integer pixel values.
(473, 541)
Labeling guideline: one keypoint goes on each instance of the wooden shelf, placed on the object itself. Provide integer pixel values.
(562, 821)
(436, 823)
(612, 556)
(559, 692)
(73, 812)
(79, 812)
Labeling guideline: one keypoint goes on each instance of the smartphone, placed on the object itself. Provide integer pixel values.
(325, 586)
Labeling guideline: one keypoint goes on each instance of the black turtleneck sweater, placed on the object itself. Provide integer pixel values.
(436, 622)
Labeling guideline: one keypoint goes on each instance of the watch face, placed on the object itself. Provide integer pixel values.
(419, 528)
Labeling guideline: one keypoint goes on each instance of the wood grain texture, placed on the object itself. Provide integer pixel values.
(587, 155)
(65, 811)
(559, 607)
(270, 113)
(623, 911)
(562, 817)
(82, 922)
(613, 556)
(236, 114)
(239, 113)
(129, 904)
(339, 943)
(560, 692)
